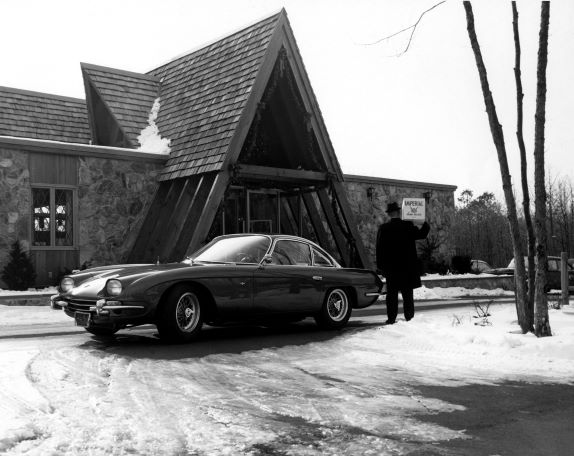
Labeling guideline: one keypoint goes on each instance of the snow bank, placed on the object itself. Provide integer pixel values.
(150, 140)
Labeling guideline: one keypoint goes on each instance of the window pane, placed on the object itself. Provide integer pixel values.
(320, 259)
(64, 225)
(291, 252)
(41, 216)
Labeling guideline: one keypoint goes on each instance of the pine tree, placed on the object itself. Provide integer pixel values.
(19, 273)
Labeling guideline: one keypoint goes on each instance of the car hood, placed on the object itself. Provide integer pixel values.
(90, 283)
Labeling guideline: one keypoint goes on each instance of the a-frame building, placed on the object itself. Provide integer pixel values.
(249, 148)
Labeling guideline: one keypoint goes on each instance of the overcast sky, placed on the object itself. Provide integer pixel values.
(419, 116)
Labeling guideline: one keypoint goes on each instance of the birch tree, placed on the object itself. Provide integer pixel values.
(531, 239)
(498, 138)
(541, 322)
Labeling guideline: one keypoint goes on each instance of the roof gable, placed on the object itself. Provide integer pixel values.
(204, 94)
(125, 97)
(208, 100)
(38, 115)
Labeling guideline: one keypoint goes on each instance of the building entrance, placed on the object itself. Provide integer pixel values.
(250, 211)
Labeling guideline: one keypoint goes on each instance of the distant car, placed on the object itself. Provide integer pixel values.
(234, 278)
(479, 266)
(553, 275)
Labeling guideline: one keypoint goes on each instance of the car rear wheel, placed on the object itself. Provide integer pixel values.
(336, 310)
(180, 318)
(102, 331)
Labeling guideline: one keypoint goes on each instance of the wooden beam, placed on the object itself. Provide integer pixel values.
(152, 247)
(148, 225)
(347, 214)
(257, 91)
(191, 219)
(209, 210)
(177, 218)
(296, 176)
(316, 220)
(340, 240)
(199, 216)
(288, 218)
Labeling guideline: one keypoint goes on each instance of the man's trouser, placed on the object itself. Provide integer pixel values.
(393, 302)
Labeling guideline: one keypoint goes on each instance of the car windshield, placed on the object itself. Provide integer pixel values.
(237, 249)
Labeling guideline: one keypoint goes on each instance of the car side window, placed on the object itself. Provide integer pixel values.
(321, 260)
(292, 253)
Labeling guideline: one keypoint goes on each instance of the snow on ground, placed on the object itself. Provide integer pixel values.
(352, 392)
(30, 292)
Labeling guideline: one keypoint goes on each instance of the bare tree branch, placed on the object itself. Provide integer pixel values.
(412, 28)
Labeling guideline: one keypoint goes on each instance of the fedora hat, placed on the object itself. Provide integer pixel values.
(393, 207)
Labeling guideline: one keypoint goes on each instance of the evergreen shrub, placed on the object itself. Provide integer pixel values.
(19, 273)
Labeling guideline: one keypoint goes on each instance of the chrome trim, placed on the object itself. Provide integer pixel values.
(104, 307)
(375, 293)
(57, 304)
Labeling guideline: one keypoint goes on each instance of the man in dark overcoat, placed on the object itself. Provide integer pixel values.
(397, 260)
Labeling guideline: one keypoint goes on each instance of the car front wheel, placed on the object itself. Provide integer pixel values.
(180, 319)
(336, 310)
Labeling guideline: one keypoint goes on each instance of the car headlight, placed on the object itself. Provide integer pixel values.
(113, 287)
(66, 284)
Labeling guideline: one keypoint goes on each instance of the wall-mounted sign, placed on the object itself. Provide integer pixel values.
(413, 209)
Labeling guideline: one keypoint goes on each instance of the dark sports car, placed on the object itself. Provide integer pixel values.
(234, 278)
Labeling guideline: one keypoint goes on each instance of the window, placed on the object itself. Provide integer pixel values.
(321, 260)
(291, 252)
(52, 217)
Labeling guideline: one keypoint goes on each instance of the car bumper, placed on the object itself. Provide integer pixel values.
(102, 311)
(368, 296)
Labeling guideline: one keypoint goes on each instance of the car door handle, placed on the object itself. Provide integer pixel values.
(317, 278)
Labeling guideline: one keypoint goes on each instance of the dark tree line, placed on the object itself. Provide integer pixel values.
(480, 225)
(480, 229)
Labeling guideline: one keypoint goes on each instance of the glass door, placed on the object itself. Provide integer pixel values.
(263, 211)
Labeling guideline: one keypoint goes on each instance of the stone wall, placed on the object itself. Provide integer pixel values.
(14, 202)
(115, 188)
(369, 196)
(115, 191)
(114, 196)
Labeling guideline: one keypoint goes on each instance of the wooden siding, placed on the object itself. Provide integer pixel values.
(50, 264)
(53, 169)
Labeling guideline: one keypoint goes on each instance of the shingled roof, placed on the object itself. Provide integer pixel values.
(128, 96)
(203, 95)
(38, 115)
(207, 99)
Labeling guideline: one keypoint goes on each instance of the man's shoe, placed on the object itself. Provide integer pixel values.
(389, 322)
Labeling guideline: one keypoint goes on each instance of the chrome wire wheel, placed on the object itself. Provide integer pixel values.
(187, 312)
(337, 305)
